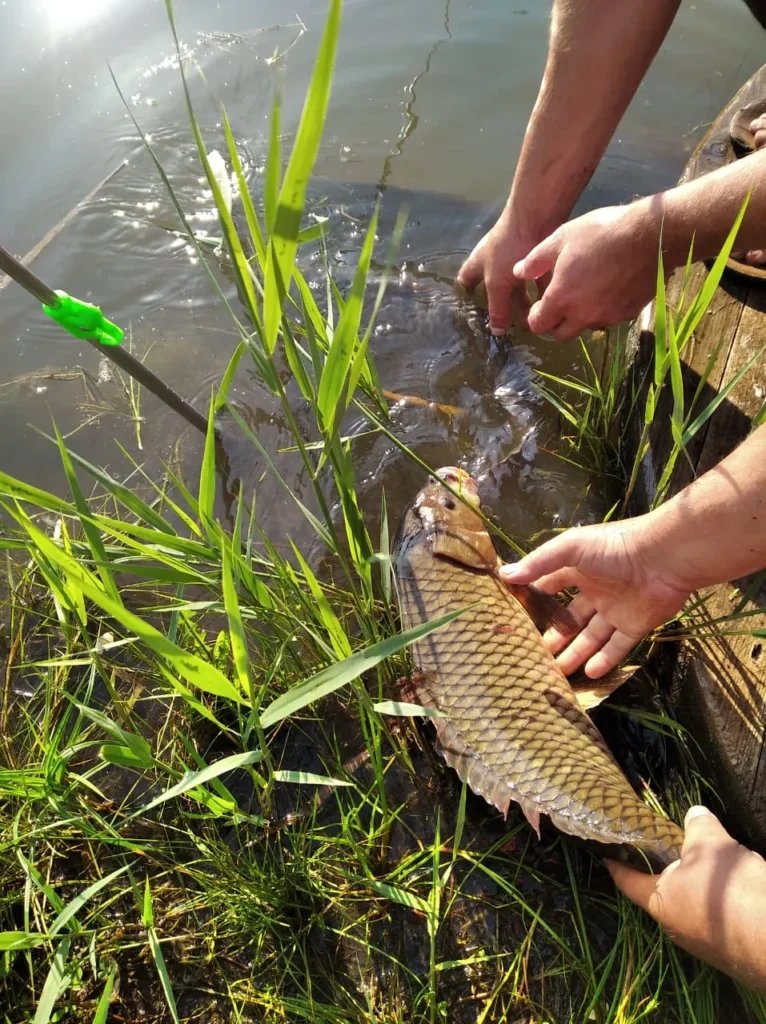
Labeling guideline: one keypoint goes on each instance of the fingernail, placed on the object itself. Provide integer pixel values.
(498, 332)
(509, 571)
(696, 812)
(518, 268)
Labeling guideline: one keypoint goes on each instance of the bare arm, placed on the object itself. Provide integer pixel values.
(598, 53)
(715, 529)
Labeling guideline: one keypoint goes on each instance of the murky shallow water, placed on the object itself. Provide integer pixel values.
(430, 99)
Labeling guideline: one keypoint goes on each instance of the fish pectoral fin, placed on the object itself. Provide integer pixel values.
(532, 814)
(590, 692)
(543, 609)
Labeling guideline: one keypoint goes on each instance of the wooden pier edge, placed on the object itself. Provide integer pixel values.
(718, 685)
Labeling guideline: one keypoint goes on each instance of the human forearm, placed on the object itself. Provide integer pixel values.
(598, 53)
(715, 529)
(705, 209)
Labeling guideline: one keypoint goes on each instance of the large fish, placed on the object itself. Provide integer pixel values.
(514, 727)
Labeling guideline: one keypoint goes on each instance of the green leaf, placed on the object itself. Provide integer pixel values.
(189, 666)
(401, 896)
(135, 743)
(332, 399)
(56, 983)
(19, 940)
(273, 166)
(115, 753)
(705, 295)
(722, 395)
(237, 637)
(308, 779)
(191, 780)
(91, 532)
(102, 1010)
(340, 642)
(406, 710)
(283, 243)
(75, 906)
(207, 480)
(335, 676)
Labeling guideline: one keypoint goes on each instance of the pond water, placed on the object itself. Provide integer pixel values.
(430, 99)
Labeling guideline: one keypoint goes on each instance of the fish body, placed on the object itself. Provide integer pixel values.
(513, 727)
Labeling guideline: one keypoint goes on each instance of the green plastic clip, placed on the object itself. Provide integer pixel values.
(84, 320)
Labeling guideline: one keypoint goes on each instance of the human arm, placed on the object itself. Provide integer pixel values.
(604, 264)
(635, 574)
(712, 902)
(597, 55)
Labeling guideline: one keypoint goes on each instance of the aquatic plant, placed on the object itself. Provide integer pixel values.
(186, 831)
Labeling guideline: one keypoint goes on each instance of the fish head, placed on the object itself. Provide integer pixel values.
(450, 527)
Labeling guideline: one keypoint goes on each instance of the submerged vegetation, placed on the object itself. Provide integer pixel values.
(187, 831)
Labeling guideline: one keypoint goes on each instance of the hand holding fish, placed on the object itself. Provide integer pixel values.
(711, 902)
(622, 594)
(636, 574)
(492, 261)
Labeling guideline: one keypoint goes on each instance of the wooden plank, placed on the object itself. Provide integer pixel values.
(720, 681)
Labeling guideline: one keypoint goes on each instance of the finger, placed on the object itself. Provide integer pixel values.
(566, 330)
(555, 582)
(539, 261)
(585, 644)
(582, 611)
(758, 123)
(564, 550)
(759, 138)
(499, 299)
(636, 885)
(618, 646)
(470, 273)
(701, 826)
(546, 314)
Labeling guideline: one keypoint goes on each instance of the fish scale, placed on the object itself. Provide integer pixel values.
(513, 728)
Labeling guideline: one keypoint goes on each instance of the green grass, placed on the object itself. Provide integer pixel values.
(202, 814)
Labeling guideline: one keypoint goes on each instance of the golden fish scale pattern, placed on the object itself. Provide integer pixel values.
(513, 726)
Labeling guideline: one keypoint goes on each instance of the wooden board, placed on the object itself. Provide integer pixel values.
(720, 685)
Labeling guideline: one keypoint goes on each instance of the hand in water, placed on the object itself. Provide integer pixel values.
(623, 595)
(603, 269)
(492, 262)
(712, 902)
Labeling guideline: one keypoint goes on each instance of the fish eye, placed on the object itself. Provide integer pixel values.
(447, 502)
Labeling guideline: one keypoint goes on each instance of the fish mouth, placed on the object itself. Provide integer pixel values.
(462, 482)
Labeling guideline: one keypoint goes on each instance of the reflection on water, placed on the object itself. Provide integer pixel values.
(430, 102)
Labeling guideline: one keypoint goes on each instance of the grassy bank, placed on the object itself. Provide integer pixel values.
(203, 814)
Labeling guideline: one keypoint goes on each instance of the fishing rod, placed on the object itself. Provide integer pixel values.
(87, 322)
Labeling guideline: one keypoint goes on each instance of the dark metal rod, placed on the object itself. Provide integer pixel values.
(23, 275)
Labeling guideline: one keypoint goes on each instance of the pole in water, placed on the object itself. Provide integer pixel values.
(87, 322)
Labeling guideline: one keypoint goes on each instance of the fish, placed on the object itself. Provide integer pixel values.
(507, 718)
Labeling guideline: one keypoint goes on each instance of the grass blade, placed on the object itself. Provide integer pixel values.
(75, 906)
(332, 678)
(56, 983)
(191, 780)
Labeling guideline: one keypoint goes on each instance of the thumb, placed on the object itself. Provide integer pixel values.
(539, 261)
(564, 550)
(701, 826)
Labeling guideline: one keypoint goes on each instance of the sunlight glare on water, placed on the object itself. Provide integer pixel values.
(65, 16)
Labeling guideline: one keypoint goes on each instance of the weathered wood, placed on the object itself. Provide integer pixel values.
(720, 685)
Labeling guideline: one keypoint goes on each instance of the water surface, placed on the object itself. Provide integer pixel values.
(430, 100)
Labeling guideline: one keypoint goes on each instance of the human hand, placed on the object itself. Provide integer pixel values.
(624, 591)
(711, 902)
(492, 262)
(603, 267)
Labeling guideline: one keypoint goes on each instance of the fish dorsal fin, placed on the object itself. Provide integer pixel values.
(473, 548)
(590, 692)
(543, 609)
